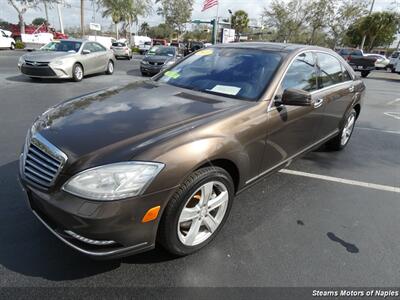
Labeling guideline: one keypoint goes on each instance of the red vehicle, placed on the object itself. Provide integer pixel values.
(161, 42)
(32, 29)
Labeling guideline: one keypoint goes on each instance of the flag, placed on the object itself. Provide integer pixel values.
(209, 3)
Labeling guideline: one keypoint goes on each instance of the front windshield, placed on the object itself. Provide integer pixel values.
(68, 46)
(162, 51)
(50, 46)
(233, 72)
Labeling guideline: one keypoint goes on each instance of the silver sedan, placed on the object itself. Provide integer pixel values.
(69, 59)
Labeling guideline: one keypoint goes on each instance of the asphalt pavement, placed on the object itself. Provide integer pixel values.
(291, 229)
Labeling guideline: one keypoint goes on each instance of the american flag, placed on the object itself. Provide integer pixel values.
(209, 3)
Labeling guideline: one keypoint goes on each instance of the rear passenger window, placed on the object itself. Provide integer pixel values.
(301, 74)
(345, 74)
(330, 70)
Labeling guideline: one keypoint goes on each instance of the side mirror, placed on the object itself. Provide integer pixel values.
(296, 97)
(85, 51)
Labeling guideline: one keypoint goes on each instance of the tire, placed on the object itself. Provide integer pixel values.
(143, 73)
(77, 72)
(110, 68)
(189, 196)
(12, 46)
(339, 142)
(364, 73)
(392, 70)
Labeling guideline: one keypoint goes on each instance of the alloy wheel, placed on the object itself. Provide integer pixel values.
(203, 213)
(348, 129)
(78, 72)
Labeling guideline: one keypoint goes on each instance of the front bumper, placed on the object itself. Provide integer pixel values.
(98, 221)
(152, 69)
(45, 71)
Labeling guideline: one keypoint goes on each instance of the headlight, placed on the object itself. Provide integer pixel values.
(145, 62)
(57, 62)
(113, 181)
(21, 60)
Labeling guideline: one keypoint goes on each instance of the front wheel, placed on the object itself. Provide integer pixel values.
(12, 46)
(110, 68)
(197, 211)
(77, 73)
(342, 139)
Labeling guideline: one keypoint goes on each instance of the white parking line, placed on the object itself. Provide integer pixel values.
(392, 114)
(380, 187)
(379, 130)
(393, 101)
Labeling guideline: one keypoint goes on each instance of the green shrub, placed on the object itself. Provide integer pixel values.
(135, 49)
(19, 45)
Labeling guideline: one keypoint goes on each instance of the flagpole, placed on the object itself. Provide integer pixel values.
(216, 23)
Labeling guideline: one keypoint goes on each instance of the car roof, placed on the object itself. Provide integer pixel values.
(287, 47)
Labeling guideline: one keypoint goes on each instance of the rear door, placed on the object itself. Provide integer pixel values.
(293, 129)
(335, 91)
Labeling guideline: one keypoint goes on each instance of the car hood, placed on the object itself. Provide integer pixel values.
(157, 58)
(46, 55)
(133, 118)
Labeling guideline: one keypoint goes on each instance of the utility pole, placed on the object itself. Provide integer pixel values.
(46, 11)
(82, 19)
(60, 18)
(365, 36)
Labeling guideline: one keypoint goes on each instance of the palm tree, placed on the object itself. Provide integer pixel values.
(116, 10)
(144, 28)
(240, 21)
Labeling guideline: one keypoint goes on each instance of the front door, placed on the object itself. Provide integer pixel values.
(292, 129)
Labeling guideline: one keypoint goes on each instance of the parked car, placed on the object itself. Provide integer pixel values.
(393, 60)
(69, 59)
(143, 48)
(6, 41)
(158, 58)
(358, 61)
(121, 49)
(160, 42)
(113, 172)
(193, 46)
(381, 61)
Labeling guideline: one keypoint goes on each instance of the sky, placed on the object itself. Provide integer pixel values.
(71, 15)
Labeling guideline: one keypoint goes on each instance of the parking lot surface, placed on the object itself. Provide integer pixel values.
(294, 228)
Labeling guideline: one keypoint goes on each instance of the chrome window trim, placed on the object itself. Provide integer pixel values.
(272, 101)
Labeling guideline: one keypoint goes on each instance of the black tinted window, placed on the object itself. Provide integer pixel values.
(395, 54)
(301, 74)
(118, 44)
(330, 70)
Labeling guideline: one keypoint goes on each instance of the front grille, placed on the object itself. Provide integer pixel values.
(42, 162)
(37, 71)
(156, 63)
(37, 63)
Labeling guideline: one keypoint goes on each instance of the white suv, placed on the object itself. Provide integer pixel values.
(6, 41)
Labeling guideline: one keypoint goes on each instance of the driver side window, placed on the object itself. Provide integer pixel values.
(301, 74)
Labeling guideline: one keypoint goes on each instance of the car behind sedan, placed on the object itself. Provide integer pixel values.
(158, 58)
(68, 59)
(111, 173)
(121, 50)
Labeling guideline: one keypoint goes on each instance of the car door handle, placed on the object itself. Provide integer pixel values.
(318, 102)
(351, 89)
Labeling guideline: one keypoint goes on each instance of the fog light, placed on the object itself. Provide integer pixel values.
(151, 214)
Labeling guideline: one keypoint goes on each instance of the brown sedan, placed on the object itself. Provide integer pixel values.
(113, 172)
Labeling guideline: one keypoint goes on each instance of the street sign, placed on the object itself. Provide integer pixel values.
(95, 26)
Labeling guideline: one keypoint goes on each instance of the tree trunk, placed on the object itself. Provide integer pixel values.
(21, 23)
(116, 29)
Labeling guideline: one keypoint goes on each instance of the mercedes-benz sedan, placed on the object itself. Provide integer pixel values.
(68, 59)
(114, 172)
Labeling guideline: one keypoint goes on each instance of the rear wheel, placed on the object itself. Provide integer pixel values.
(110, 68)
(342, 139)
(197, 211)
(77, 72)
(12, 46)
